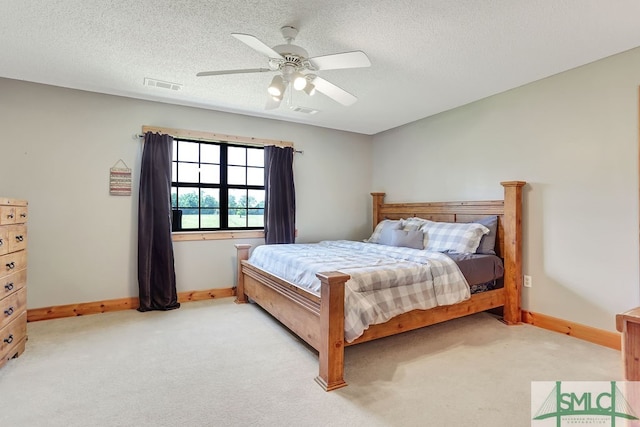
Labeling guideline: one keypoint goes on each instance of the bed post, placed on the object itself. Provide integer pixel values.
(512, 251)
(242, 255)
(378, 199)
(331, 343)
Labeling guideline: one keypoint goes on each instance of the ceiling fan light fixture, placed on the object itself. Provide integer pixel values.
(276, 88)
(310, 89)
(299, 80)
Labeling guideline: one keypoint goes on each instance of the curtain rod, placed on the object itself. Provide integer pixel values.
(141, 135)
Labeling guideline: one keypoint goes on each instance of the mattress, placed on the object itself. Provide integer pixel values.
(481, 271)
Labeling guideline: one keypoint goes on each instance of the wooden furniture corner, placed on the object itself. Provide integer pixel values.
(13, 278)
(629, 324)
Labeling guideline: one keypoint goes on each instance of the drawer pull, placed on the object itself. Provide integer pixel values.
(11, 265)
(9, 286)
(23, 215)
(9, 311)
(20, 238)
(9, 339)
(1, 242)
(10, 216)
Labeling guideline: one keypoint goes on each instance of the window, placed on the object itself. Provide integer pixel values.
(216, 186)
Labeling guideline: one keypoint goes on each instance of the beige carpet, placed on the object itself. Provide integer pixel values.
(215, 363)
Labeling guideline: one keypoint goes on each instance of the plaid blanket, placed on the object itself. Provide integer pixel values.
(385, 280)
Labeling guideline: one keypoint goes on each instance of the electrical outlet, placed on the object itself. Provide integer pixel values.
(527, 281)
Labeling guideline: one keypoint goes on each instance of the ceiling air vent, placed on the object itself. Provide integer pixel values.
(161, 84)
(303, 110)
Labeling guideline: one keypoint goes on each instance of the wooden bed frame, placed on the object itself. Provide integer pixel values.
(320, 320)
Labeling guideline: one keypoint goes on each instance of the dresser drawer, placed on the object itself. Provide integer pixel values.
(7, 215)
(12, 338)
(21, 214)
(12, 263)
(17, 237)
(4, 240)
(12, 283)
(12, 307)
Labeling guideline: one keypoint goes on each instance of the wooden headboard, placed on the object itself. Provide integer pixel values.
(508, 210)
(467, 211)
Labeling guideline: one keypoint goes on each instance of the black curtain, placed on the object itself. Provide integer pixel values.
(280, 198)
(156, 272)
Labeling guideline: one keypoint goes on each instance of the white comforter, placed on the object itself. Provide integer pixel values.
(385, 280)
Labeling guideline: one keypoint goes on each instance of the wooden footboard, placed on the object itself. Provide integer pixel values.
(320, 320)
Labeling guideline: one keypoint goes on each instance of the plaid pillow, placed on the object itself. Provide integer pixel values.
(462, 238)
(413, 223)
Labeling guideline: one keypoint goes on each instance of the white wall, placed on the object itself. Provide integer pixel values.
(56, 150)
(574, 138)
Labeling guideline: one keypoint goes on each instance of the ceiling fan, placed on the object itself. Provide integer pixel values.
(297, 69)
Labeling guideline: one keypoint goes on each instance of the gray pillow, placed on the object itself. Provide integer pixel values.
(408, 238)
(488, 241)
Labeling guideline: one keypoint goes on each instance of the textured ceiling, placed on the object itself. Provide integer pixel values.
(427, 56)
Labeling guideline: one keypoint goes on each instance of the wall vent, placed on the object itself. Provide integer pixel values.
(303, 110)
(161, 84)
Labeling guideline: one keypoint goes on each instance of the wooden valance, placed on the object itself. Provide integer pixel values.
(210, 136)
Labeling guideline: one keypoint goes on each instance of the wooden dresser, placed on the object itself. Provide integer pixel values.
(13, 278)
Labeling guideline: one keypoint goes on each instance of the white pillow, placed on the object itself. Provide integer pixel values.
(463, 238)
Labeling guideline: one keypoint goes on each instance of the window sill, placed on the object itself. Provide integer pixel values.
(185, 236)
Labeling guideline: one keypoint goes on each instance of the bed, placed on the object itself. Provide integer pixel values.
(318, 318)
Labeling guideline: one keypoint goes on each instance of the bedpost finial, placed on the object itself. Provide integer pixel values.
(513, 183)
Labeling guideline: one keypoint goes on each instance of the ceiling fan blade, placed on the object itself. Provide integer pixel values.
(337, 61)
(257, 45)
(334, 92)
(220, 73)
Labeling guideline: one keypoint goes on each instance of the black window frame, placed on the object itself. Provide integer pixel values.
(223, 188)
